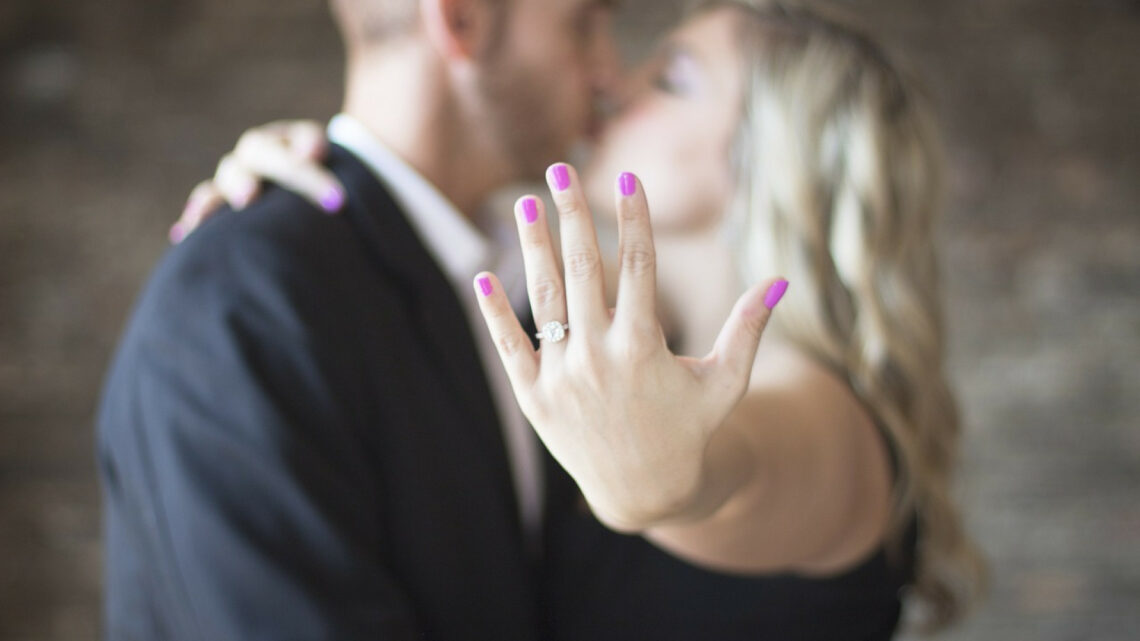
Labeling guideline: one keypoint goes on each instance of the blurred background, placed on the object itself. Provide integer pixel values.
(110, 111)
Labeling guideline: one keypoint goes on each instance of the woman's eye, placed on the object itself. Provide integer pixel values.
(662, 81)
(672, 77)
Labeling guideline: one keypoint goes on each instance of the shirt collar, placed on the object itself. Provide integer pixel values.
(454, 242)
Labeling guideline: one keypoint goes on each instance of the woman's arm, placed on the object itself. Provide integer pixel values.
(739, 470)
(807, 476)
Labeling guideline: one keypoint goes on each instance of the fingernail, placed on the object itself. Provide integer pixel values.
(775, 293)
(245, 197)
(530, 210)
(333, 200)
(628, 184)
(485, 286)
(560, 176)
(176, 233)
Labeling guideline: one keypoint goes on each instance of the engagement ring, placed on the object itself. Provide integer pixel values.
(553, 331)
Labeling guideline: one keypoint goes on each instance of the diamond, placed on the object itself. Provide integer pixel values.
(553, 331)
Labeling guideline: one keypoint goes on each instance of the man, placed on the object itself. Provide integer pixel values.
(301, 436)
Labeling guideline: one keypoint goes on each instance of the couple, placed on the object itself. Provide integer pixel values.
(311, 428)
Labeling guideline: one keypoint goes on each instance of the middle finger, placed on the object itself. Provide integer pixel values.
(582, 260)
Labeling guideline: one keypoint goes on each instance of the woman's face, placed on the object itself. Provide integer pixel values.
(675, 128)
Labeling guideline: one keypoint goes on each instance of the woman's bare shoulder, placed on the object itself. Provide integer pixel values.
(805, 411)
(784, 369)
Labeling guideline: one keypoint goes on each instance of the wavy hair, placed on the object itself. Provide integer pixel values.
(839, 188)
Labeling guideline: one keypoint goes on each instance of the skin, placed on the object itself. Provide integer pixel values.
(691, 89)
(744, 465)
(793, 476)
(514, 94)
(680, 110)
(468, 90)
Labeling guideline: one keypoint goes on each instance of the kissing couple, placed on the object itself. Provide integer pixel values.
(360, 404)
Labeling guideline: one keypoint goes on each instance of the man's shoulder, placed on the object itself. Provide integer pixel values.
(280, 254)
(281, 238)
(279, 225)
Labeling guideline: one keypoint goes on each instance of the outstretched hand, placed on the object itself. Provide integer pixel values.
(628, 420)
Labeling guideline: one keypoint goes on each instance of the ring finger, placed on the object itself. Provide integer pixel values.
(543, 280)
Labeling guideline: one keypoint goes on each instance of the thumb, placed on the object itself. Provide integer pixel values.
(735, 348)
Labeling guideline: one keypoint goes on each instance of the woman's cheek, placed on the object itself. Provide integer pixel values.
(625, 146)
(648, 143)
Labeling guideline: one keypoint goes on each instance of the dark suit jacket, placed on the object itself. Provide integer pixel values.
(297, 441)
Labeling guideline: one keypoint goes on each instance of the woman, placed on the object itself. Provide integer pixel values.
(768, 139)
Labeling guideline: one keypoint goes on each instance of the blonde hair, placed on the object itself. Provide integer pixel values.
(838, 190)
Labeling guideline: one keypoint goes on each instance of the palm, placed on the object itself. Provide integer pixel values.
(629, 420)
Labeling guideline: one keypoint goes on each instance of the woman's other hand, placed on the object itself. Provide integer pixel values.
(629, 420)
(288, 153)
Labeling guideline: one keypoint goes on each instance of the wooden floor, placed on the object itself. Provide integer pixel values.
(111, 110)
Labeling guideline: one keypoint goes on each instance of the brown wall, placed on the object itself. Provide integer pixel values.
(111, 110)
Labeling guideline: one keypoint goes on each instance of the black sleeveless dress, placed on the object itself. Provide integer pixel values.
(600, 586)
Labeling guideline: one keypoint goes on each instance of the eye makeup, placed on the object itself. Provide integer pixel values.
(678, 72)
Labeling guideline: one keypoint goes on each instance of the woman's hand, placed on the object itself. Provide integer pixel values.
(629, 420)
(288, 153)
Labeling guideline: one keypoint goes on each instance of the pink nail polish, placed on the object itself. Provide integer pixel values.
(485, 286)
(775, 293)
(176, 234)
(628, 184)
(530, 210)
(560, 176)
(332, 201)
(245, 197)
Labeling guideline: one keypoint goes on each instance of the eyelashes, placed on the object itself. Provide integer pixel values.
(670, 78)
(675, 73)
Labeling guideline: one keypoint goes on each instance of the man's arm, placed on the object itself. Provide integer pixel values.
(239, 501)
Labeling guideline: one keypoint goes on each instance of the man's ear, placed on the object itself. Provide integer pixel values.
(458, 28)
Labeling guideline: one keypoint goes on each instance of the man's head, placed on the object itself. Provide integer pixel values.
(525, 76)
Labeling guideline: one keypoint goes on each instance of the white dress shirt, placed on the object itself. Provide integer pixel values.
(462, 249)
